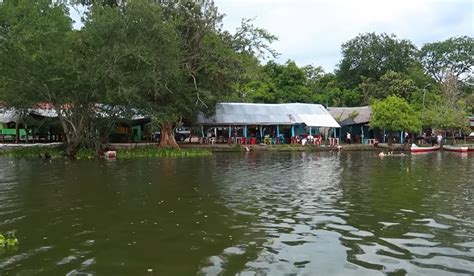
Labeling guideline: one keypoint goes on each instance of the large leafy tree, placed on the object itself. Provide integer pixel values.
(138, 54)
(451, 57)
(277, 83)
(42, 60)
(450, 112)
(213, 61)
(372, 55)
(171, 57)
(394, 114)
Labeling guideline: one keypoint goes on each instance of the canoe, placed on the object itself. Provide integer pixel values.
(414, 148)
(455, 148)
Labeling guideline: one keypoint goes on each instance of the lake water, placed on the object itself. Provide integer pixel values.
(348, 213)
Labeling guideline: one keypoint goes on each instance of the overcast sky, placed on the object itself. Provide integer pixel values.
(312, 31)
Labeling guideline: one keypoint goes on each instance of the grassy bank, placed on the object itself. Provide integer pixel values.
(32, 152)
(142, 152)
(160, 152)
(293, 148)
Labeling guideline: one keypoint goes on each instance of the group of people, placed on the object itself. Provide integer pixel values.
(390, 153)
(310, 139)
(433, 139)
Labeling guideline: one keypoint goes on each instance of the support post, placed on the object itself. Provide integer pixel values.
(310, 131)
(202, 131)
(261, 133)
(362, 134)
(245, 131)
(278, 131)
(292, 131)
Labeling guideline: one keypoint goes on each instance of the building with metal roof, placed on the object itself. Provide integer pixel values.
(311, 115)
(280, 123)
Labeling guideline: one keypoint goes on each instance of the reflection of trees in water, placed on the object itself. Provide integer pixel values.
(283, 191)
(127, 215)
(395, 202)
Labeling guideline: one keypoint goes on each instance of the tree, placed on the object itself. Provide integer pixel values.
(137, 57)
(371, 56)
(43, 61)
(394, 83)
(212, 60)
(452, 57)
(450, 112)
(289, 82)
(394, 114)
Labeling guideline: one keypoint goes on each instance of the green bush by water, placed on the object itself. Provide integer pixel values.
(160, 152)
(33, 152)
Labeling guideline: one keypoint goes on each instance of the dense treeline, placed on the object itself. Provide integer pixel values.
(372, 67)
(168, 59)
(173, 59)
(434, 84)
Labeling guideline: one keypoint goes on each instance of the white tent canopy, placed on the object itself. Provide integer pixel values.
(312, 115)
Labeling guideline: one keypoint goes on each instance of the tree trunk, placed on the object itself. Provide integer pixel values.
(73, 138)
(167, 136)
(17, 133)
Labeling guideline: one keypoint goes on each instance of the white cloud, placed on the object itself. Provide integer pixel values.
(313, 31)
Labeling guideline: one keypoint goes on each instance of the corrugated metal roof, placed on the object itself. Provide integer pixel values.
(8, 115)
(358, 115)
(314, 115)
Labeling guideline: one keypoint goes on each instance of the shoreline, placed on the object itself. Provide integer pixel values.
(235, 147)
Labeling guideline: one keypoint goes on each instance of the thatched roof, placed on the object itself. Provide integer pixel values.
(351, 115)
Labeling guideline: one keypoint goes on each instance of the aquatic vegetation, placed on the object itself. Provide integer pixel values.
(160, 152)
(33, 152)
(84, 154)
(8, 239)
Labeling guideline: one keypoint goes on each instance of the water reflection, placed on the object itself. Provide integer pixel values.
(244, 213)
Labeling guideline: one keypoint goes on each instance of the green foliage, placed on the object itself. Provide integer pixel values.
(8, 239)
(398, 84)
(454, 56)
(136, 56)
(394, 114)
(42, 60)
(171, 59)
(32, 152)
(87, 154)
(252, 41)
(370, 55)
(448, 118)
(450, 112)
(145, 152)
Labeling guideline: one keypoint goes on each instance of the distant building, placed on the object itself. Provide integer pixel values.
(354, 120)
(41, 124)
(244, 122)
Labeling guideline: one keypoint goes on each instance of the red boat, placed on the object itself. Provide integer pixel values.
(415, 148)
(456, 148)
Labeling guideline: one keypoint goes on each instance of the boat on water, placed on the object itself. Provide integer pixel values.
(456, 148)
(414, 148)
